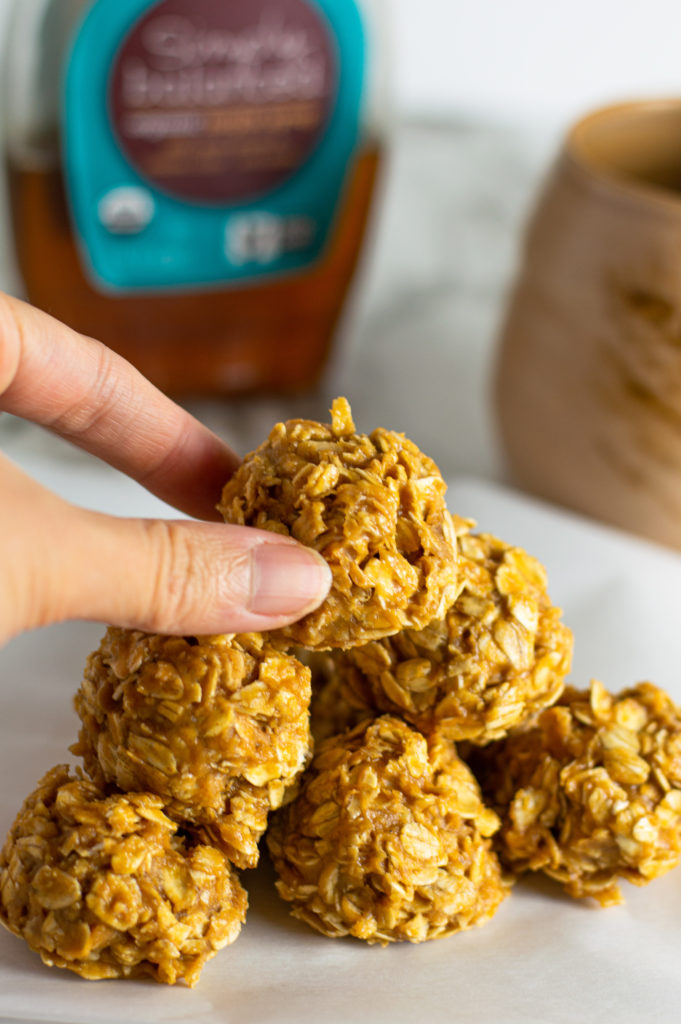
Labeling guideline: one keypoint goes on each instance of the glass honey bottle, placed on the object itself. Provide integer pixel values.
(191, 181)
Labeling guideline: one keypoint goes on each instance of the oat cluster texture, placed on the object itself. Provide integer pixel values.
(448, 757)
(130, 867)
(110, 887)
(216, 726)
(590, 791)
(372, 505)
(498, 654)
(388, 839)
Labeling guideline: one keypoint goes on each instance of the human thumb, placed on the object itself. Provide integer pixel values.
(177, 577)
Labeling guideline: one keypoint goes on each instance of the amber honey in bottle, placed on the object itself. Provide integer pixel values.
(190, 181)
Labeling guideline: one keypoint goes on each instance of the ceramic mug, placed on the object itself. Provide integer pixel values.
(588, 378)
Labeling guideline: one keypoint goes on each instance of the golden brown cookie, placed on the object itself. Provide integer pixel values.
(217, 726)
(499, 654)
(372, 506)
(387, 840)
(109, 888)
(592, 791)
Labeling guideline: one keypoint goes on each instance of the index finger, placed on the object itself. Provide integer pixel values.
(88, 394)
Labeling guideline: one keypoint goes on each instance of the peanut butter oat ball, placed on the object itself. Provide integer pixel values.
(498, 655)
(387, 840)
(372, 506)
(108, 888)
(217, 726)
(592, 791)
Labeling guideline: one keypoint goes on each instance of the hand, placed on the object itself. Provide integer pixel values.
(58, 561)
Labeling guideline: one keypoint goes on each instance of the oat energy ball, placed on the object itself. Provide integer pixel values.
(217, 726)
(498, 655)
(372, 506)
(107, 886)
(388, 839)
(592, 792)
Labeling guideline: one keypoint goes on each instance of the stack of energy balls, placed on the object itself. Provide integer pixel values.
(431, 636)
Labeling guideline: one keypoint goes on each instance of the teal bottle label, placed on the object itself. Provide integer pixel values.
(207, 141)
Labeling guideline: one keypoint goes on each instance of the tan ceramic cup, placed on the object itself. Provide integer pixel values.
(588, 380)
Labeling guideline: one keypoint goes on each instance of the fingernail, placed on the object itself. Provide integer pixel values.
(287, 579)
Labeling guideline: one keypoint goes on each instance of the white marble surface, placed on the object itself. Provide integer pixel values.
(418, 344)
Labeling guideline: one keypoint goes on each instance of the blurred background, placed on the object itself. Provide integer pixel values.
(481, 94)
